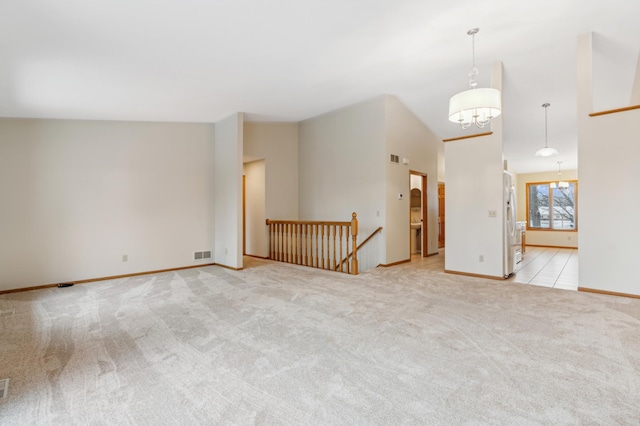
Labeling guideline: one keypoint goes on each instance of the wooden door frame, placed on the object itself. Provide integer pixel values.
(441, 218)
(425, 227)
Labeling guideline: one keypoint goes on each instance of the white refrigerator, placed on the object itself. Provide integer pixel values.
(510, 244)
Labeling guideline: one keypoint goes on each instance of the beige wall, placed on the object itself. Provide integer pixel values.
(341, 164)
(78, 195)
(256, 232)
(277, 145)
(409, 138)
(545, 238)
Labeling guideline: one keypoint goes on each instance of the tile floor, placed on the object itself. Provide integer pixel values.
(548, 267)
(542, 266)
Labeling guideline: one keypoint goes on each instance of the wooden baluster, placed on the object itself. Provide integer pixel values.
(301, 246)
(317, 246)
(322, 245)
(295, 243)
(328, 266)
(340, 244)
(306, 252)
(272, 233)
(290, 243)
(279, 241)
(354, 245)
(308, 245)
(333, 261)
(300, 234)
(284, 242)
(280, 232)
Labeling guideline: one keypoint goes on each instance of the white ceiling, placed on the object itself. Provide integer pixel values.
(288, 60)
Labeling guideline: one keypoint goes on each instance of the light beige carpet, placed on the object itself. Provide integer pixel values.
(281, 344)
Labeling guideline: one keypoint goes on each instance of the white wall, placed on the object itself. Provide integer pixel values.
(341, 163)
(609, 248)
(545, 238)
(474, 177)
(408, 137)
(608, 151)
(228, 148)
(277, 145)
(78, 195)
(256, 233)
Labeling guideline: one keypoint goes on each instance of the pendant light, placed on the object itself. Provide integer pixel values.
(474, 106)
(546, 151)
(561, 184)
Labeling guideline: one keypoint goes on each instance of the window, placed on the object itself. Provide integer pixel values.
(550, 207)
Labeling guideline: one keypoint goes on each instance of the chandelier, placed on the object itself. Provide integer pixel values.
(474, 106)
(546, 151)
(560, 184)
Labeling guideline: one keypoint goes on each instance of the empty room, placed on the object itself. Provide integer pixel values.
(319, 213)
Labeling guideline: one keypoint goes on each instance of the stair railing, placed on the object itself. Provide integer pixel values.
(317, 244)
(366, 240)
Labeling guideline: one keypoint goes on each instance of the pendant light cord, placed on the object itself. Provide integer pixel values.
(474, 71)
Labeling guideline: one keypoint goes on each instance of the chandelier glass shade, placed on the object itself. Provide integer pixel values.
(474, 106)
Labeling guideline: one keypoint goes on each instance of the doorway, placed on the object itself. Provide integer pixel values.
(418, 214)
(440, 215)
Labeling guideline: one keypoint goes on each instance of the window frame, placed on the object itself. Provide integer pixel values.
(575, 208)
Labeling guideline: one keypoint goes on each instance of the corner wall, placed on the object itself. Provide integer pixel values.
(227, 169)
(408, 137)
(474, 176)
(341, 164)
(277, 145)
(78, 195)
(608, 152)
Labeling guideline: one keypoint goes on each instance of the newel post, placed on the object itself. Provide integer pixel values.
(354, 235)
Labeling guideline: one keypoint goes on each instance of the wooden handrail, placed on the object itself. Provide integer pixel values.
(613, 111)
(318, 244)
(477, 135)
(360, 245)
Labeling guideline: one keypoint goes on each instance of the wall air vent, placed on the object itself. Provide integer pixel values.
(197, 255)
(206, 254)
(394, 158)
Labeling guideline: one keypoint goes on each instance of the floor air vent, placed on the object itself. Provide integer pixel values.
(4, 388)
(200, 255)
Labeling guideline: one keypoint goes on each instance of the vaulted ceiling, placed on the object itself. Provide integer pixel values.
(288, 60)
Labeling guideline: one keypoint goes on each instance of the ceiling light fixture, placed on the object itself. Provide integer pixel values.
(474, 106)
(560, 184)
(546, 151)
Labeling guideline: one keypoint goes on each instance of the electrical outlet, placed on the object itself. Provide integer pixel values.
(481, 258)
(125, 257)
(226, 251)
(493, 213)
